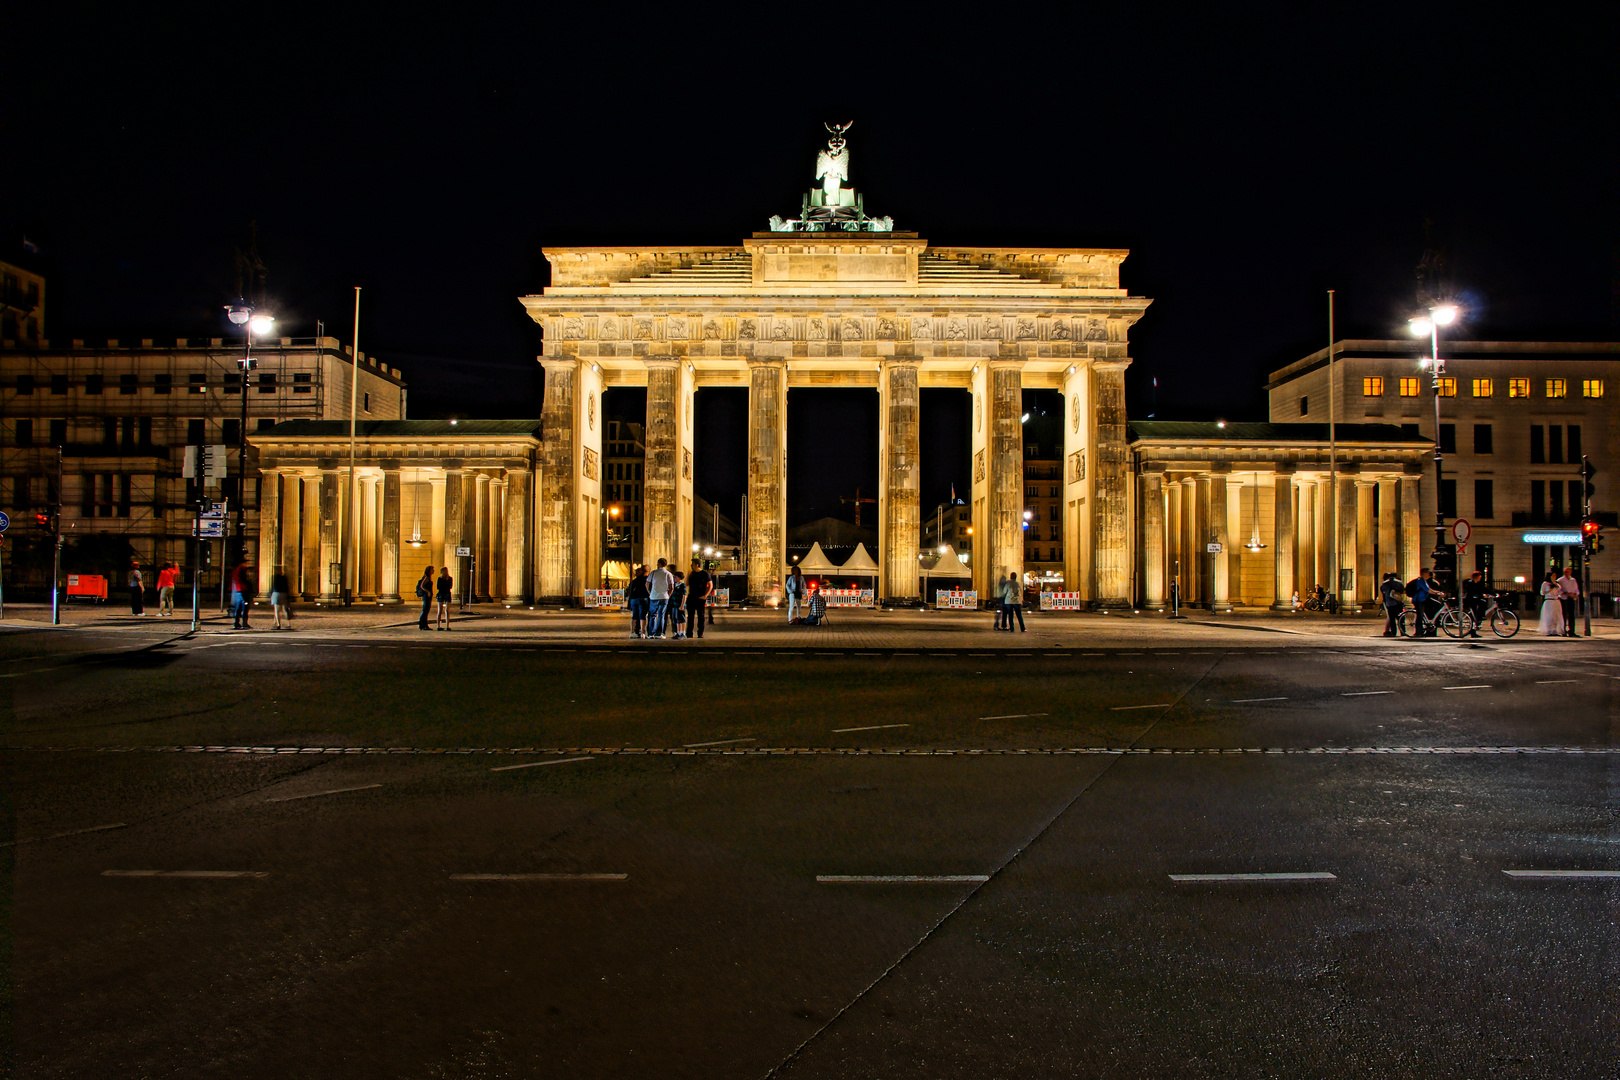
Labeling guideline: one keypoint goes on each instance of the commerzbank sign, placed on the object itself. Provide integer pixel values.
(1571, 537)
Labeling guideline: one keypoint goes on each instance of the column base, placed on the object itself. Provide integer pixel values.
(1282, 607)
(1113, 604)
(389, 601)
(547, 601)
(1154, 607)
(1221, 609)
(514, 601)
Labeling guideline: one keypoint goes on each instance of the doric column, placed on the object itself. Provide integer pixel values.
(1366, 532)
(388, 591)
(1110, 538)
(1174, 561)
(291, 556)
(1389, 521)
(451, 527)
(1004, 525)
(767, 477)
(366, 581)
(1325, 538)
(1349, 531)
(435, 519)
(481, 534)
(1305, 532)
(497, 537)
(1411, 527)
(269, 526)
(1153, 537)
(660, 529)
(469, 530)
(1192, 587)
(1202, 535)
(311, 561)
(1282, 539)
(517, 533)
(1234, 538)
(332, 481)
(1220, 565)
(559, 478)
(899, 480)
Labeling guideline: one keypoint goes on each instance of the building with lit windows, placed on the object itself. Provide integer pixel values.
(1515, 419)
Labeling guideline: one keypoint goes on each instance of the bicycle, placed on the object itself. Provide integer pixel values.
(1457, 623)
(1503, 623)
(1447, 619)
(1329, 605)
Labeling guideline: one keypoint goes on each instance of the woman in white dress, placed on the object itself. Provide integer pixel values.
(1552, 611)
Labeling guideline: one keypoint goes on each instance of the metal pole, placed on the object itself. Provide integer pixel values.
(196, 551)
(1439, 507)
(1333, 466)
(1586, 553)
(348, 565)
(241, 449)
(56, 548)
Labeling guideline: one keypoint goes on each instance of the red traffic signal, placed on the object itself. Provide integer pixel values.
(1590, 528)
(42, 520)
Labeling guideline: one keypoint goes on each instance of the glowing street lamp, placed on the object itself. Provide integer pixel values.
(1429, 326)
(252, 322)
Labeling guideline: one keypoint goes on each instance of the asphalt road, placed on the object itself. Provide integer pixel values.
(497, 859)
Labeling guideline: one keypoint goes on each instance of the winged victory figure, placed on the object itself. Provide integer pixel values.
(832, 164)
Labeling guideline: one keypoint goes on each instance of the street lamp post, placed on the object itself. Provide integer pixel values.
(1429, 325)
(242, 314)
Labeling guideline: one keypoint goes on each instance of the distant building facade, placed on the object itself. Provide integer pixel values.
(949, 523)
(22, 306)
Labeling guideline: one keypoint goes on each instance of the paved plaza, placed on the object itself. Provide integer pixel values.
(899, 845)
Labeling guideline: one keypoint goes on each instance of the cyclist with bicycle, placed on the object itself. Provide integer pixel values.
(1426, 601)
(1474, 600)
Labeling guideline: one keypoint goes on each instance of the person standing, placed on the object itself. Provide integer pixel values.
(1393, 596)
(1552, 608)
(280, 599)
(636, 597)
(136, 588)
(699, 584)
(1473, 600)
(424, 593)
(677, 604)
(165, 587)
(660, 584)
(1569, 595)
(1014, 600)
(795, 590)
(241, 592)
(441, 596)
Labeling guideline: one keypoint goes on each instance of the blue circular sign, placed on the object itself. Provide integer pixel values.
(5, 522)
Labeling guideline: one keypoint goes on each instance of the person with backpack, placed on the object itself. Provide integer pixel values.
(1426, 600)
(677, 602)
(1393, 596)
(636, 597)
(242, 588)
(660, 584)
(699, 584)
(424, 593)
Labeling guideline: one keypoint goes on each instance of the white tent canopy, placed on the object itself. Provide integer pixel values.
(948, 566)
(859, 562)
(816, 562)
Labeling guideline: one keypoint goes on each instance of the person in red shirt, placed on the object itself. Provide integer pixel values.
(166, 578)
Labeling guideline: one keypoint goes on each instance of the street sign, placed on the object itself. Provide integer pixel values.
(1462, 548)
(207, 462)
(5, 523)
(211, 526)
(1461, 530)
(463, 552)
(1213, 549)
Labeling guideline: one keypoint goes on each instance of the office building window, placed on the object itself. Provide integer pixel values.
(1448, 498)
(1305, 406)
(59, 384)
(92, 384)
(1589, 388)
(1538, 444)
(1448, 387)
(1518, 388)
(1372, 386)
(267, 382)
(1555, 444)
(1409, 387)
(1448, 438)
(58, 433)
(109, 430)
(25, 384)
(1577, 496)
(1555, 388)
(24, 432)
(1538, 499)
(128, 383)
(1484, 499)
(366, 398)
(1485, 562)
(231, 432)
(303, 383)
(1484, 387)
(1052, 512)
(264, 423)
(1574, 443)
(144, 428)
(1052, 554)
(162, 382)
(196, 432)
(199, 383)
(1482, 439)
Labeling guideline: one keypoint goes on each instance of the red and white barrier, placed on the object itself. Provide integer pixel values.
(1062, 601)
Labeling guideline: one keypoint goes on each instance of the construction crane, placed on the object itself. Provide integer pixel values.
(857, 500)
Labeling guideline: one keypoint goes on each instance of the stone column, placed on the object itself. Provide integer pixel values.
(469, 529)
(366, 580)
(497, 537)
(899, 480)
(1282, 539)
(1305, 531)
(767, 478)
(1366, 531)
(451, 527)
(1349, 531)
(313, 568)
(1175, 564)
(481, 534)
(1235, 536)
(1220, 564)
(1110, 538)
(517, 532)
(1389, 519)
(1004, 527)
(1192, 587)
(660, 508)
(1153, 538)
(559, 477)
(1202, 535)
(1411, 527)
(435, 518)
(291, 556)
(1325, 538)
(331, 507)
(388, 592)
(269, 526)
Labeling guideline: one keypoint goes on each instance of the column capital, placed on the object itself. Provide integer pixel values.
(661, 361)
(766, 361)
(1109, 365)
(1157, 468)
(1284, 468)
(560, 363)
(1005, 362)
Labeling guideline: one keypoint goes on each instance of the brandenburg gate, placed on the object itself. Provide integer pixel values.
(834, 298)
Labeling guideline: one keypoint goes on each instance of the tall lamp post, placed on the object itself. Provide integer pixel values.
(1429, 326)
(242, 314)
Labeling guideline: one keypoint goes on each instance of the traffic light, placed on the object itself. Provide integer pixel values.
(1592, 535)
(43, 520)
(1588, 470)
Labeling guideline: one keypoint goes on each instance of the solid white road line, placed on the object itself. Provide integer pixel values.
(537, 764)
(1476, 686)
(870, 727)
(539, 877)
(902, 879)
(718, 742)
(1254, 877)
(318, 794)
(1554, 682)
(1365, 693)
(186, 873)
(1122, 708)
(1015, 716)
(1248, 700)
(60, 835)
(1603, 874)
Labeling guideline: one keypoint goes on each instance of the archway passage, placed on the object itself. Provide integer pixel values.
(720, 463)
(624, 454)
(832, 473)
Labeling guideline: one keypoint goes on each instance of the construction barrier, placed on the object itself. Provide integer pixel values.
(957, 600)
(88, 586)
(607, 599)
(1062, 601)
(850, 597)
(720, 598)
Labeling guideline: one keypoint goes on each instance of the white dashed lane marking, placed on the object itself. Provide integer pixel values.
(539, 877)
(1122, 708)
(1477, 686)
(537, 764)
(1365, 693)
(718, 742)
(186, 873)
(60, 835)
(1251, 700)
(1554, 875)
(870, 727)
(318, 794)
(1309, 876)
(900, 879)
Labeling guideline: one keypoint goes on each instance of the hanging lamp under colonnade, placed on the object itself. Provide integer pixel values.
(825, 309)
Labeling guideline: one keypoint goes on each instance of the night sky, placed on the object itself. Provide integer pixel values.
(1249, 161)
